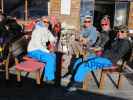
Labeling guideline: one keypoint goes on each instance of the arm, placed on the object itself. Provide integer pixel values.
(52, 42)
(93, 36)
(90, 34)
(117, 51)
(123, 50)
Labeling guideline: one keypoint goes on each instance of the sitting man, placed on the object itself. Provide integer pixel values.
(89, 33)
(41, 47)
(87, 38)
(119, 48)
(107, 34)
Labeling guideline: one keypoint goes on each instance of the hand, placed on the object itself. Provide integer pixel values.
(50, 47)
(97, 49)
(83, 40)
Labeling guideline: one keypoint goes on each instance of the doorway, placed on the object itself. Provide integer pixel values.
(103, 8)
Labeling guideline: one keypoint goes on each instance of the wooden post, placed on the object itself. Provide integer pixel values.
(7, 64)
(102, 79)
(120, 81)
(130, 19)
(2, 6)
(38, 82)
(86, 82)
(26, 10)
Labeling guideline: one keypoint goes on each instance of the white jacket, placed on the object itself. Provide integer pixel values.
(40, 36)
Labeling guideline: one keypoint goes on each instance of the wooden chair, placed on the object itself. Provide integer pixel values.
(103, 77)
(5, 56)
(85, 86)
(15, 48)
(29, 65)
(18, 50)
(117, 69)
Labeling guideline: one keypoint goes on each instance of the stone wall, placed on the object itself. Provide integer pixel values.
(130, 20)
(73, 19)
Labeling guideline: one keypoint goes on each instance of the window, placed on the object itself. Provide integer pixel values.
(65, 7)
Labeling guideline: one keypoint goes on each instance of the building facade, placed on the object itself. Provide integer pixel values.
(72, 12)
(118, 10)
(67, 11)
(130, 17)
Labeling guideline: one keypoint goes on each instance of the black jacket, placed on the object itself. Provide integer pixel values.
(105, 39)
(119, 48)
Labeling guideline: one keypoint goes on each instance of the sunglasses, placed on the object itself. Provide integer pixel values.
(104, 24)
(87, 21)
(45, 21)
(120, 31)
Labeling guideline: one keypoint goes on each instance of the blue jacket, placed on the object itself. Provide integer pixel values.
(90, 33)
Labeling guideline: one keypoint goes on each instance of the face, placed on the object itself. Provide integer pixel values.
(87, 23)
(121, 34)
(105, 27)
(57, 29)
(46, 22)
(105, 24)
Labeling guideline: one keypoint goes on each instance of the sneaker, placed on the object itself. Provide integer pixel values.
(73, 86)
(50, 82)
(77, 84)
(72, 89)
(67, 78)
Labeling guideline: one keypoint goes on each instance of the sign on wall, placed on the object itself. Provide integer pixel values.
(87, 8)
(65, 7)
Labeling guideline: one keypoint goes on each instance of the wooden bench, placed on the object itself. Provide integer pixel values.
(29, 65)
(114, 70)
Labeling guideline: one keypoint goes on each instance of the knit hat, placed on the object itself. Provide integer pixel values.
(122, 28)
(88, 17)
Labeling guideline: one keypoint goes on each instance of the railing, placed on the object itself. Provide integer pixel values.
(67, 36)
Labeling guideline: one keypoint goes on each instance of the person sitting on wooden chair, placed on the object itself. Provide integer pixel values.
(119, 48)
(41, 47)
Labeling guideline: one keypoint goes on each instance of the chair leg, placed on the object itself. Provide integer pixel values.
(102, 80)
(7, 61)
(120, 81)
(38, 77)
(7, 68)
(18, 76)
(86, 82)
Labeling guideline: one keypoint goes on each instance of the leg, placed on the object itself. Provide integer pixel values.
(78, 78)
(76, 67)
(81, 73)
(79, 61)
(49, 58)
(50, 67)
(91, 65)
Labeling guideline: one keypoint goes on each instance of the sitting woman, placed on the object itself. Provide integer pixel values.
(119, 48)
(41, 47)
(57, 32)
